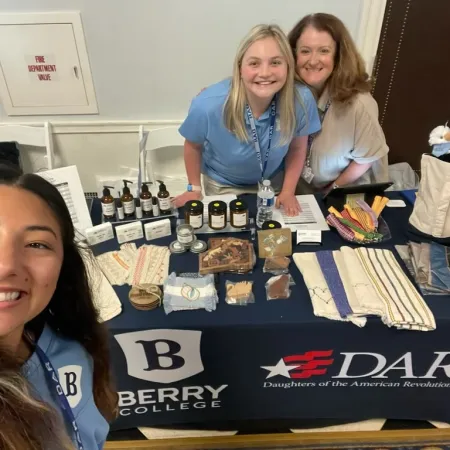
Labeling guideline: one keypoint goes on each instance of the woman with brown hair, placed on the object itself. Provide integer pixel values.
(54, 358)
(351, 147)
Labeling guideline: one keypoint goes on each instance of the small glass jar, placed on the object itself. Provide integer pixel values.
(217, 215)
(193, 214)
(185, 235)
(238, 214)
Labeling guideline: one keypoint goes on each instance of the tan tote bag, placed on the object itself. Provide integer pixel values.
(431, 213)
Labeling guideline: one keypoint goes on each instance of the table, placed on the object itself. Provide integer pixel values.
(199, 367)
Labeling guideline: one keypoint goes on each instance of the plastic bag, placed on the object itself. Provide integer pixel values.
(239, 293)
(279, 287)
(276, 265)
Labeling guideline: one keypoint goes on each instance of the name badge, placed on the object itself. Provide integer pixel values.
(307, 174)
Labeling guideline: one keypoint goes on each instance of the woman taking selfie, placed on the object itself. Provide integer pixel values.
(54, 358)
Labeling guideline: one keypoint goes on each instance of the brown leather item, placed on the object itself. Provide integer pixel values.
(276, 263)
(278, 287)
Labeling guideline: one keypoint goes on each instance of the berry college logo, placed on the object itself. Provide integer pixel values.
(162, 356)
(70, 380)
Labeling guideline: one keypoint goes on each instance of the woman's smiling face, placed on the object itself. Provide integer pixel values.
(31, 256)
(316, 52)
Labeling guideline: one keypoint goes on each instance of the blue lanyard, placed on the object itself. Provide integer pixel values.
(66, 410)
(312, 136)
(273, 113)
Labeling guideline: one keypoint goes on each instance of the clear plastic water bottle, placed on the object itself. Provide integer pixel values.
(265, 203)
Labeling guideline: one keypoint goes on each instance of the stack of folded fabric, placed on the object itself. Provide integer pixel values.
(429, 265)
(184, 293)
(148, 264)
(353, 283)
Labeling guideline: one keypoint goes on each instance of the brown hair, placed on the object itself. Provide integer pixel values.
(70, 313)
(25, 422)
(349, 76)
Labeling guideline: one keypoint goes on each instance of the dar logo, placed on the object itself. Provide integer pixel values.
(304, 365)
(162, 356)
(70, 381)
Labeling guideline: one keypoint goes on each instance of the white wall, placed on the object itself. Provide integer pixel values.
(148, 59)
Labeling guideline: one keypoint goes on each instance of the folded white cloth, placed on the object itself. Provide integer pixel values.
(151, 265)
(366, 299)
(147, 265)
(374, 284)
(105, 299)
(321, 297)
(404, 306)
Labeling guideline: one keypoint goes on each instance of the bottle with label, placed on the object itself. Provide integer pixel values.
(146, 201)
(217, 215)
(155, 207)
(107, 201)
(165, 205)
(193, 213)
(238, 214)
(127, 200)
(138, 209)
(265, 203)
(120, 213)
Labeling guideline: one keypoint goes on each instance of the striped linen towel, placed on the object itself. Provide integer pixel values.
(404, 306)
(363, 298)
(374, 284)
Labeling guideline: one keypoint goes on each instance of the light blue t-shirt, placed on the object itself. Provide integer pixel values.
(75, 370)
(225, 158)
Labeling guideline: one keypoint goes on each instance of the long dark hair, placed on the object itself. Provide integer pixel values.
(70, 312)
(26, 423)
(349, 76)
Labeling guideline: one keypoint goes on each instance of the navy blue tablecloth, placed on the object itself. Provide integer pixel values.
(236, 363)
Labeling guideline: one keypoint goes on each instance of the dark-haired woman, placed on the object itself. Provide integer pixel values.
(51, 343)
(351, 147)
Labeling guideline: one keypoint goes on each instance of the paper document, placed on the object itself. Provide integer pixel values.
(68, 183)
(227, 198)
(310, 218)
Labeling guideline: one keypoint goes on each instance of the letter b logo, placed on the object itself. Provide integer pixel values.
(162, 356)
(70, 380)
(158, 358)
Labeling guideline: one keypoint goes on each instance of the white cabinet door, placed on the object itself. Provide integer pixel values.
(41, 66)
(44, 66)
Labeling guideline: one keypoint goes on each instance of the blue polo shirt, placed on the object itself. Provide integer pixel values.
(75, 371)
(225, 158)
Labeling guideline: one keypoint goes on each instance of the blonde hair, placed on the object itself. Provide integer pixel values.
(235, 104)
(25, 422)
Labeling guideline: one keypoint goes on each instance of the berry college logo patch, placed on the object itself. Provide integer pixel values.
(162, 356)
